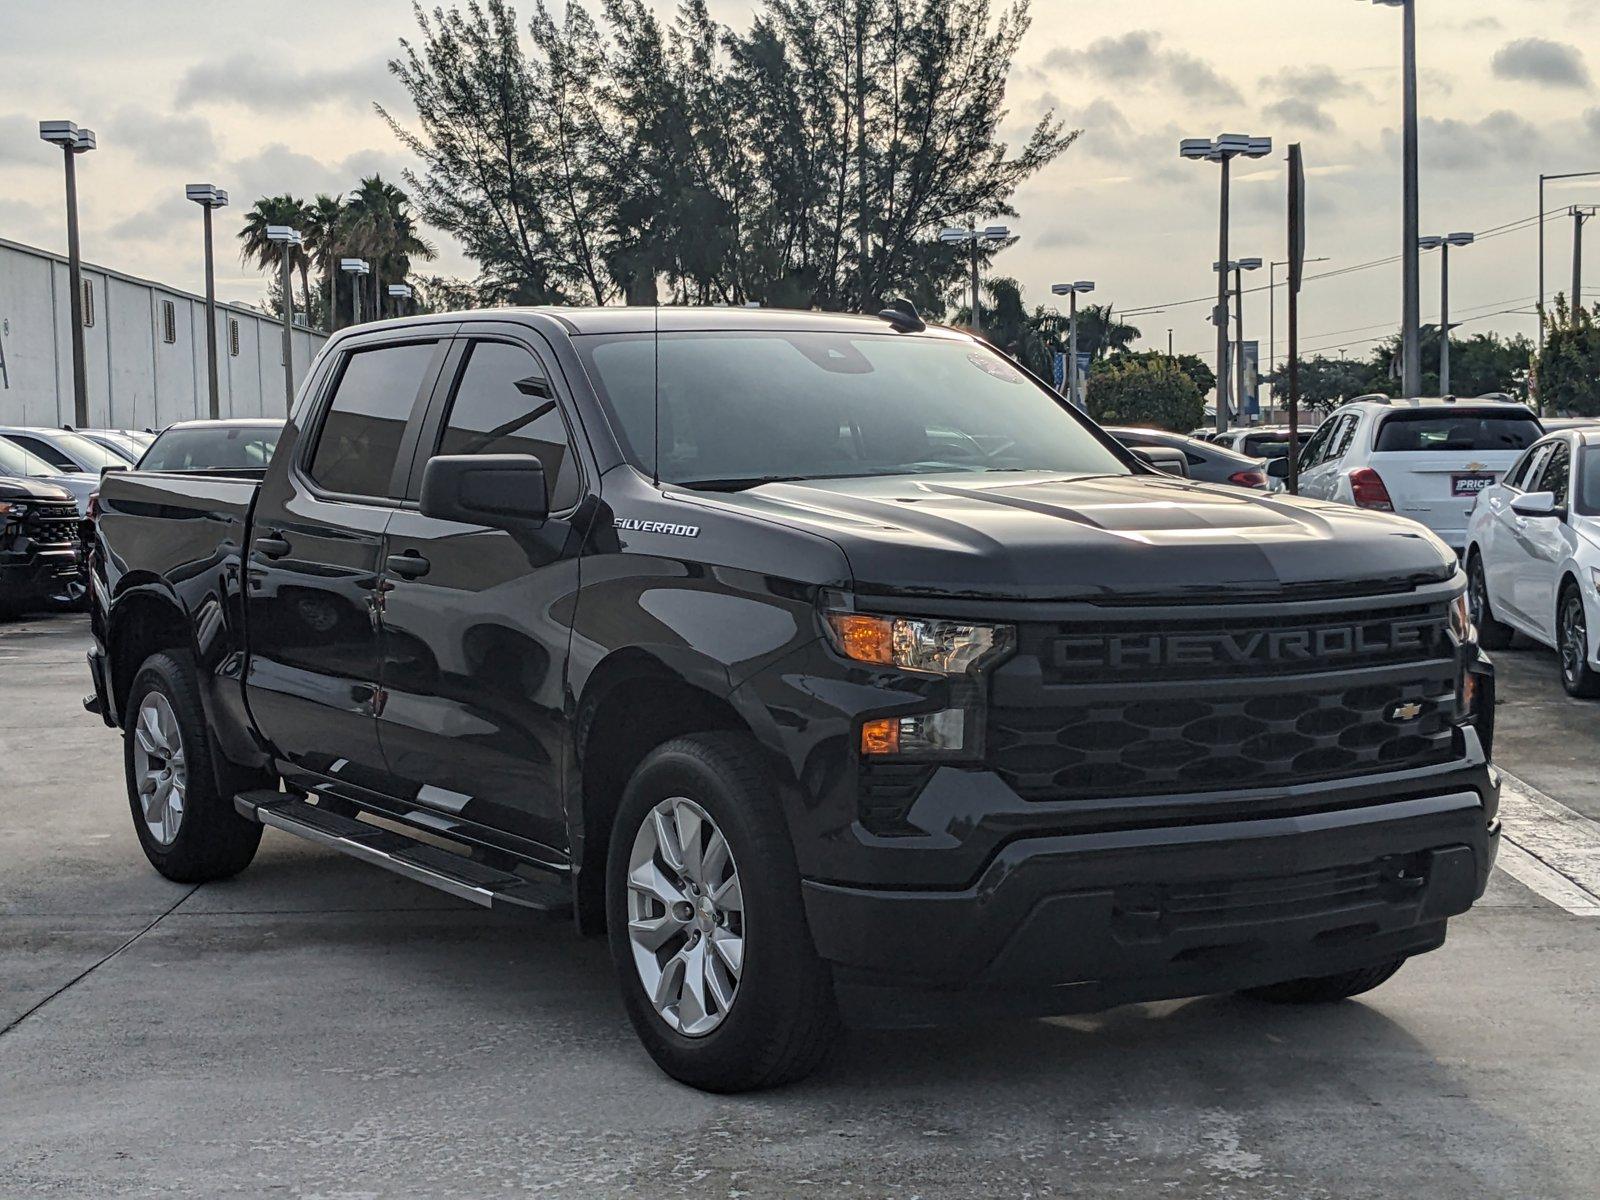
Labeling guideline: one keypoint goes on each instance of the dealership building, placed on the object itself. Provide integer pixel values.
(144, 346)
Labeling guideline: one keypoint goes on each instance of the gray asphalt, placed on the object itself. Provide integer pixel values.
(317, 1028)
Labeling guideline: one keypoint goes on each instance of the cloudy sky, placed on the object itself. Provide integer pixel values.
(269, 97)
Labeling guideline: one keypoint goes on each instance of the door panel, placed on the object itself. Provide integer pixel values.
(315, 558)
(1503, 561)
(1543, 546)
(471, 718)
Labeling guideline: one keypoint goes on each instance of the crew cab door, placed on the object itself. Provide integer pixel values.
(316, 552)
(476, 620)
(1502, 547)
(1319, 472)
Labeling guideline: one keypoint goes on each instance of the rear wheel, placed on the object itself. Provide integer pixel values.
(187, 826)
(718, 971)
(1572, 641)
(1324, 989)
(1492, 634)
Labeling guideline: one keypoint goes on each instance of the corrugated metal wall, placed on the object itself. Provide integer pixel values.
(137, 378)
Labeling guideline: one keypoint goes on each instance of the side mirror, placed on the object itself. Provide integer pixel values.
(1278, 468)
(104, 471)
(499, 490)
(1536, 504)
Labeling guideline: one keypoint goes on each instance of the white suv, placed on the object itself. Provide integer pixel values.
(1424, 459)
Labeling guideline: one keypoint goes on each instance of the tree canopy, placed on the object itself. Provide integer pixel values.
(806, 161)
(1144, 390)
(1569, 370)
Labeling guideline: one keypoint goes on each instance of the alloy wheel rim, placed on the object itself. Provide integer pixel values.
(1574, 639)
(685, 917)
(160, 768)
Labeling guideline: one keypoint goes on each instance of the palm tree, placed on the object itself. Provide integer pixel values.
(327, 239)
(381, 225)
(1100, 333)
(268, 255)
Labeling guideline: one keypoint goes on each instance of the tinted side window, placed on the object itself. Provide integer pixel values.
(360, 438)
(498, 410)
(1557, 474)
(45, 451)
(1312, 454)
(1517, 477)
(1342, 438)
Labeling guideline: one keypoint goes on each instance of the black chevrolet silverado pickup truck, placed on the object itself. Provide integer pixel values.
(38, 544)
(832, 666)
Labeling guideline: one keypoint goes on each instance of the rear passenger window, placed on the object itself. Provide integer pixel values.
(501, 407)
(360, 438)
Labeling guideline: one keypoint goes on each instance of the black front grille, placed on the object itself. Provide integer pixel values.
(53, 524)
(1229, 716)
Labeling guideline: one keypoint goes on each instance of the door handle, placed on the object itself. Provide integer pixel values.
(271, 545)
(409, 565)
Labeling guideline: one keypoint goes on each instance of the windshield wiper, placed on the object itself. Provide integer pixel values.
(740, 484)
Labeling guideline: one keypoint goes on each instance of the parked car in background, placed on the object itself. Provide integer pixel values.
(1206, 461)
(1268, 442)
(63, 449)
(1556, 424)
(38, 530)
(126, 443)
(17, 463)
(240, 444)
(1424, 459)
(1533, 555)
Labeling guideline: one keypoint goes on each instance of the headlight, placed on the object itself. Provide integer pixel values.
(13, 509)
(1461, 619)
(934, 647)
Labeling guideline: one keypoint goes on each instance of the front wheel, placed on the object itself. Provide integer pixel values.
(1572, 640)
(186, 825)
(1325, 989)
(707, 929)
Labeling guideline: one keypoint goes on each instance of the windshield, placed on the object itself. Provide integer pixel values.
(14, 460)
(212, 448)
(737, 408)
(1509, 430)
(1267, 445)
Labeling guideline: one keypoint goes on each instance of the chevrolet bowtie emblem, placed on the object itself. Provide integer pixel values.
(1409, 711)
(1477, 466)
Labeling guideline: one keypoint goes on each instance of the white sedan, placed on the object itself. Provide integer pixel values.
(1533, 555)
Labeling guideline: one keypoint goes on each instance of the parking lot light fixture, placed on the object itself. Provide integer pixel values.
(399, 292)
(287, 239)
(1239, 267)
(1223, 149)
(1442, 243)
(956, 235)
(1072, 291)
(73, 141)
(209, 196)
(358, 269)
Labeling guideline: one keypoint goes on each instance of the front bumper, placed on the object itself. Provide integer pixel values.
(39, 574)
(1086, 921)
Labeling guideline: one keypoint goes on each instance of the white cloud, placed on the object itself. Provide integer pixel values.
(1541, 61)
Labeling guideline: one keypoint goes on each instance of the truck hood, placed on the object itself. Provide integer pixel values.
(19, 487)
(1040, 536)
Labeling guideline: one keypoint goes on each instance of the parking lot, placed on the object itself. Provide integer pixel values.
(318, 1028)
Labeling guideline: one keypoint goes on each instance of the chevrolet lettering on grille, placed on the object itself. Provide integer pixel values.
(1267, 646)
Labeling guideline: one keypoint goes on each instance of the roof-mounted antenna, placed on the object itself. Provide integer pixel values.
(903, 315)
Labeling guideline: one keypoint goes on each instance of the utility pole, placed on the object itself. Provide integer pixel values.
(73, 142)
(1580, 214)
(1543, 179)
(1411, 316)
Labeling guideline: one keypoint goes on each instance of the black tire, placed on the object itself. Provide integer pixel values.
(1492, 634)
(1325, 989)
(1572, 644)
(212, 840)
(783, 1019)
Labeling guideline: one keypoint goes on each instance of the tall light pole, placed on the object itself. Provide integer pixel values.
(1442, 243)
(1223, 149)
(1543, 179)
(397, 293)
(287, 239)
(209, 196)
(358, 269)
(1580, 213)
(1411, 252)
(1239, 266)
(973, 237)
(1072, 290)
(73, 142)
